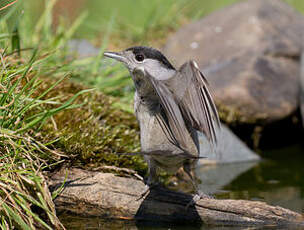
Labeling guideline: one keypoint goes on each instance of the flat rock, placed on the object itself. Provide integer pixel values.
(107, 196)
(249, 52)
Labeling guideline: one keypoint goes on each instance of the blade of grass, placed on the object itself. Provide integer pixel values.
(70, 32)
(25, 108)
(51, 112)
(104, 44)
(43, 26)
(16, 217)
(22, 203)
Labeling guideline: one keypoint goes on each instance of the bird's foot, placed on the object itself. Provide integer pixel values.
(147, 190)
(198, 196)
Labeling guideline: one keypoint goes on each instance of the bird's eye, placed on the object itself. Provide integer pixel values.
(139, 57)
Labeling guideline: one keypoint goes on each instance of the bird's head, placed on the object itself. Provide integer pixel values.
(140, 60)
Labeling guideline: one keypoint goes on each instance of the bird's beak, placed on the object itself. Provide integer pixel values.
(116, 55)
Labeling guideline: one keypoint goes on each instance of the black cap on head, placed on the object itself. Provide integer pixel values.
(152, 54)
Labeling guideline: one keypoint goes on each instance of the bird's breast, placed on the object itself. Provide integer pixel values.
(151, 134)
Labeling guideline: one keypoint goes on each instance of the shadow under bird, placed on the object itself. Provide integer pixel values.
(171, 106)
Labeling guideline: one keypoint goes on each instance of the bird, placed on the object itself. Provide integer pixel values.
(171, 105)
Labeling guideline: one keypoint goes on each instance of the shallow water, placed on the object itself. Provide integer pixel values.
(278, 180)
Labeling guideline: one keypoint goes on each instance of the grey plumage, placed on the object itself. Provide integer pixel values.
(171, 106)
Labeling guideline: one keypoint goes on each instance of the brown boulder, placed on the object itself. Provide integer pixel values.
(250, 54)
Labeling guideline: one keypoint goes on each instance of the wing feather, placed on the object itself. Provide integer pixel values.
(186, 101)
(176, 125)
(195, 100)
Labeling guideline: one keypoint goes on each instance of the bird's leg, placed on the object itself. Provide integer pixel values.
(198, 194)
(152, 181)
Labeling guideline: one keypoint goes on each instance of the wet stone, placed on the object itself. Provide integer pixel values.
(250, 53)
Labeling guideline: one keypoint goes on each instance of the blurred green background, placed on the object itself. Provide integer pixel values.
(135, 21)
(114, 25)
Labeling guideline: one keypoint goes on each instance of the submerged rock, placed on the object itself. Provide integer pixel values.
(249, 52)
(215, 177)
(229, 149)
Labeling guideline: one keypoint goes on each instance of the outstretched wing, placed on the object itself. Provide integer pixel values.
(171, 119)
(190, 89)
(186, 99)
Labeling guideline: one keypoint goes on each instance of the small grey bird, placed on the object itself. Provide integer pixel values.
(171, 106)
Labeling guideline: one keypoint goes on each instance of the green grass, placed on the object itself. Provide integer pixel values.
(136, 21)
(25, 201)
(23, 157)
(38, 126)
